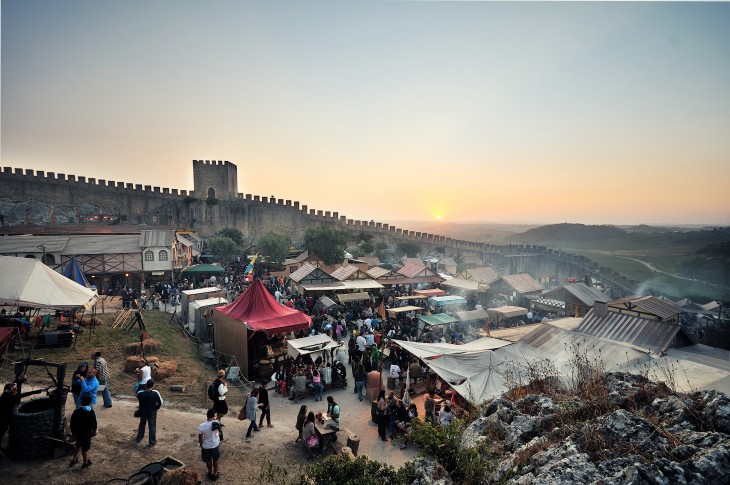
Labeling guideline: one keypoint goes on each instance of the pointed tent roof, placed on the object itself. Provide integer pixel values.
(28, 282)
(73, 272)
(260, 312)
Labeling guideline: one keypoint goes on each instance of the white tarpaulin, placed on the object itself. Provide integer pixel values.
(29, 282)
(425, 351)
(309, 345)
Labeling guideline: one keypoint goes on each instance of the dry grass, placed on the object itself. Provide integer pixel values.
(191, 372)
(164, 371)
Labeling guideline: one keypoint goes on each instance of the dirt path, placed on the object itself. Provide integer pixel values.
(115, 453)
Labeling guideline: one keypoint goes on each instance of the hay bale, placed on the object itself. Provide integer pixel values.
(179, 476)
(132, 362)
(164, 370)
(132, 349)
(150, 345)
(135, 361)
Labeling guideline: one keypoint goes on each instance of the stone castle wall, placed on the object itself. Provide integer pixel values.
(35, 196)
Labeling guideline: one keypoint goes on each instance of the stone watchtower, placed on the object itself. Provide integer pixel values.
(215, 179)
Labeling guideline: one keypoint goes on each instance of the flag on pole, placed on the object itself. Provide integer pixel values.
(381, 310)
(249, 268)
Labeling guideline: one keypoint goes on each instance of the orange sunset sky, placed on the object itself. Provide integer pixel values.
(471, 111)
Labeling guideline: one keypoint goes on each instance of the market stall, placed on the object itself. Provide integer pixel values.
(437, 323)
(251, 329)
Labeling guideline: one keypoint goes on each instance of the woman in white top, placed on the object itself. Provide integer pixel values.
(219, 404)
(143, 375)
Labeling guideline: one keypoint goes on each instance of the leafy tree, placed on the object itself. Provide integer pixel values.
(232, 233)
(440, 250)
(275, 246)
(366, 247)
(223, 248)
(460, 262)
(329, 244)
(407, 248)
(380, 246)
(364, 236)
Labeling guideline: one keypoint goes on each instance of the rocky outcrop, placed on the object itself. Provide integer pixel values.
(644, 434)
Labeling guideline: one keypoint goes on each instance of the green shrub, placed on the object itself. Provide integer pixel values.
(341, 470)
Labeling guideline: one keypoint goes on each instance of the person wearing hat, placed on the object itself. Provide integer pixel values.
(149, 402)
(76, 383)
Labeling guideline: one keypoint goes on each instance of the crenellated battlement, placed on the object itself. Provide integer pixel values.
(215, 203)
(62, 179)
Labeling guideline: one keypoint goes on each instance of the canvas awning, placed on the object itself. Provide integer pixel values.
(203, 268)
(472, 315)
(347, 297)
(327, 302)
(431, 292)
(405, 309)
(507, 311)
(342, 285)
(426, 351)
(447, 300)
(466, 285)
(28, 282)
(411, 297)
(437, 319)
(309, 345)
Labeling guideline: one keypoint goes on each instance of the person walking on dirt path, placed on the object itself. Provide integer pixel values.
(220, 389)
(102, 370)
(150, 401)
(83, 426)
(264, 405)
(209, 439)
(252, 404)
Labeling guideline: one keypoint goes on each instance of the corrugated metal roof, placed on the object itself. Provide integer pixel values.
(653, 335)
(156, 238)
(11, 245)
(481, 275)
(648, 304)
(123, 243)
(559, 345)
(522, 283)
(584, 293)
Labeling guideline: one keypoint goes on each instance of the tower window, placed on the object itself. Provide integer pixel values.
(211, 193)
(149, 256)
(163, 255)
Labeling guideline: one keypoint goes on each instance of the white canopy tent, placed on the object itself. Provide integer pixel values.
(29, 282)
(309, 345)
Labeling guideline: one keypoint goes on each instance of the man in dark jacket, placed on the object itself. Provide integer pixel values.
(264, 405)
(149, 402)
(83, 427)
